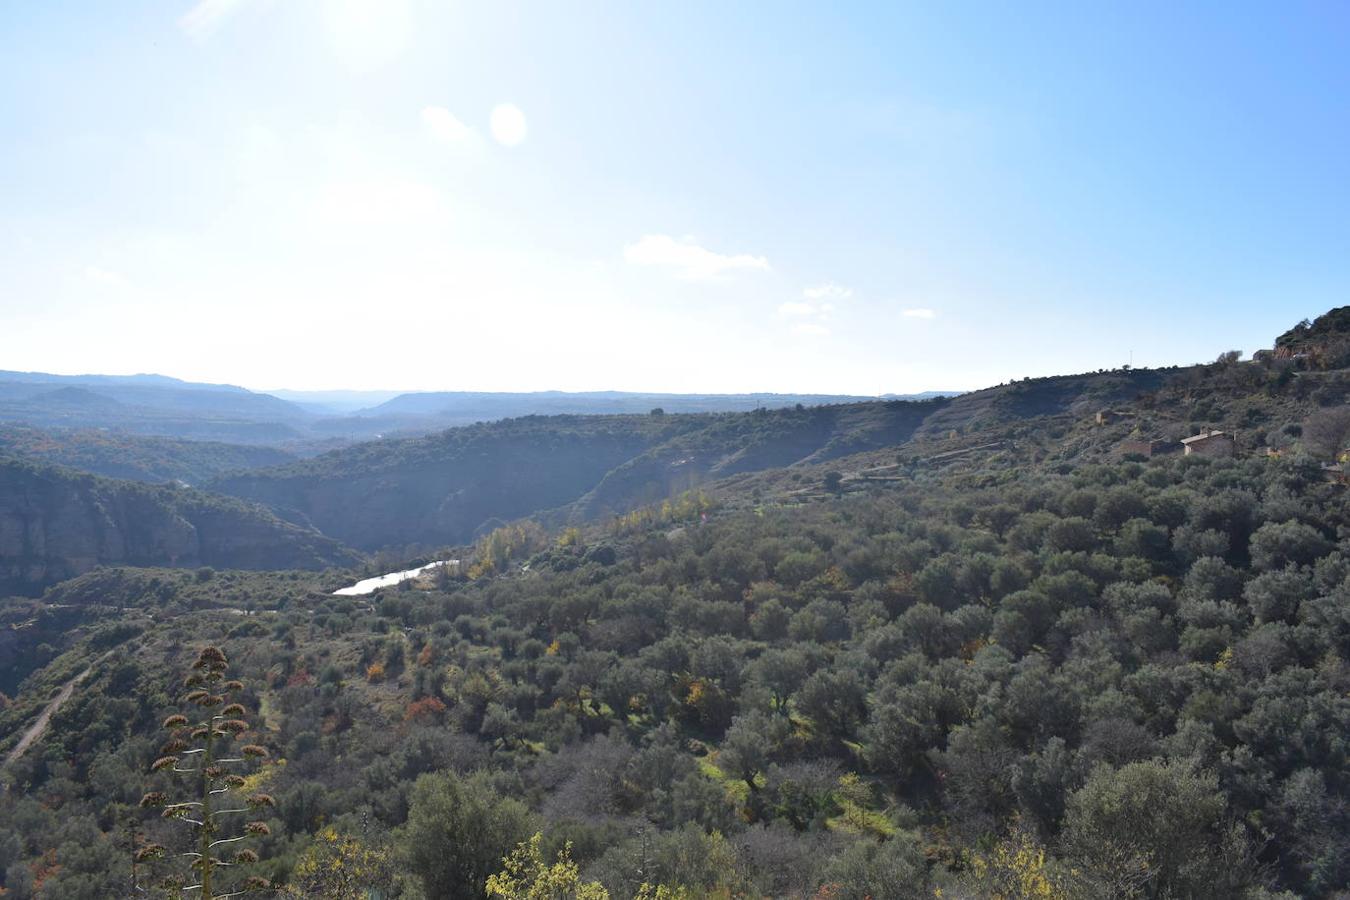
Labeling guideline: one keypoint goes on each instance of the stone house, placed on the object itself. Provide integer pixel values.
(1148, 449)
(1212, 443)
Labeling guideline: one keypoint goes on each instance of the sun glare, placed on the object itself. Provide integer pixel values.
(508, 124)
(368, 34)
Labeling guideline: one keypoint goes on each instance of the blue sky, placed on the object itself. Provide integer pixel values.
(680, 197)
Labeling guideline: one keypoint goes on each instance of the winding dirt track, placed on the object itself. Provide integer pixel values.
(39, 727)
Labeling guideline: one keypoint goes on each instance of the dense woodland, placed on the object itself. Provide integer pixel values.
(118, 455)
(1028, 666)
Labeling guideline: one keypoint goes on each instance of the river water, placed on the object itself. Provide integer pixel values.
(373, 584)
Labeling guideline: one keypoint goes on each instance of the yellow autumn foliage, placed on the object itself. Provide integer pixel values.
(1017, 869)
(502, 545)
(663, 892)
(526, 875)
(338, 866)
(687, 507)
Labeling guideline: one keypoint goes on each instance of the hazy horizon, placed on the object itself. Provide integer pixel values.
(392, 392)
(860, 200)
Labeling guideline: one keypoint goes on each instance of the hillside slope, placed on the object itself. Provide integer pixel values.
(56, 523)
(1057, 395)
(442, 488)
(119, 455)
(445, 488)
(196, 413)
(753, 442)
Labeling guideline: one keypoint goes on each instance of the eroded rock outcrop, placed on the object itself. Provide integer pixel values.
(56, 523)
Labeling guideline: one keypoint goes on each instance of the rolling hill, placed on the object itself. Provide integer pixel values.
(160, 406)
(149, 405)
(116, 454)
(466, 407)
(442, 488)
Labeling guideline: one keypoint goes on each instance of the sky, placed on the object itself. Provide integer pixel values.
(684, 197)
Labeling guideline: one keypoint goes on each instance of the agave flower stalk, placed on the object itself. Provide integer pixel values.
(197, 749)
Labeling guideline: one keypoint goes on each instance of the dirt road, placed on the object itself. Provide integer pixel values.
(39, 727)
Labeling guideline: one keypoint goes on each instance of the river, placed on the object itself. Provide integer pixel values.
(373, 584)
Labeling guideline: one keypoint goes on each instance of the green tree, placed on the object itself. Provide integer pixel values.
(780, 672)
(1276, 545)
(526, 875)
(895, 869)
(338, 866)
(1156, 829)
(753, 741)
(458, 831)
(835, 701)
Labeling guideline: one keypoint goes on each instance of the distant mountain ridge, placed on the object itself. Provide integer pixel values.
(466, 404)
(161, 406)
(150, 405)
(141, 379)
(336, 402)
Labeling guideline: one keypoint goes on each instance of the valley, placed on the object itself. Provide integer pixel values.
(897, 646)
(699, 451)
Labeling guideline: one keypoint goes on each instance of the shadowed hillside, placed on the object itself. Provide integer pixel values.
(445, 487)
(442, 488)
(56, 523)
(752, 442)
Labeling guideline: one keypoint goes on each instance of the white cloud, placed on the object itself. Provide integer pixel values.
(811, 307)
(810, 329)
(380, 202)
(508, 124)
(441, 124)
(687, 258)
(204, 18)
(827, 291)
(919, 313)
(105, 277)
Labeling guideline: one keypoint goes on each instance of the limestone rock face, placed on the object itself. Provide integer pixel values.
(57, 523)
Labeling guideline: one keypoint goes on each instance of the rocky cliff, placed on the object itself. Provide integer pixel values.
(56, 523)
